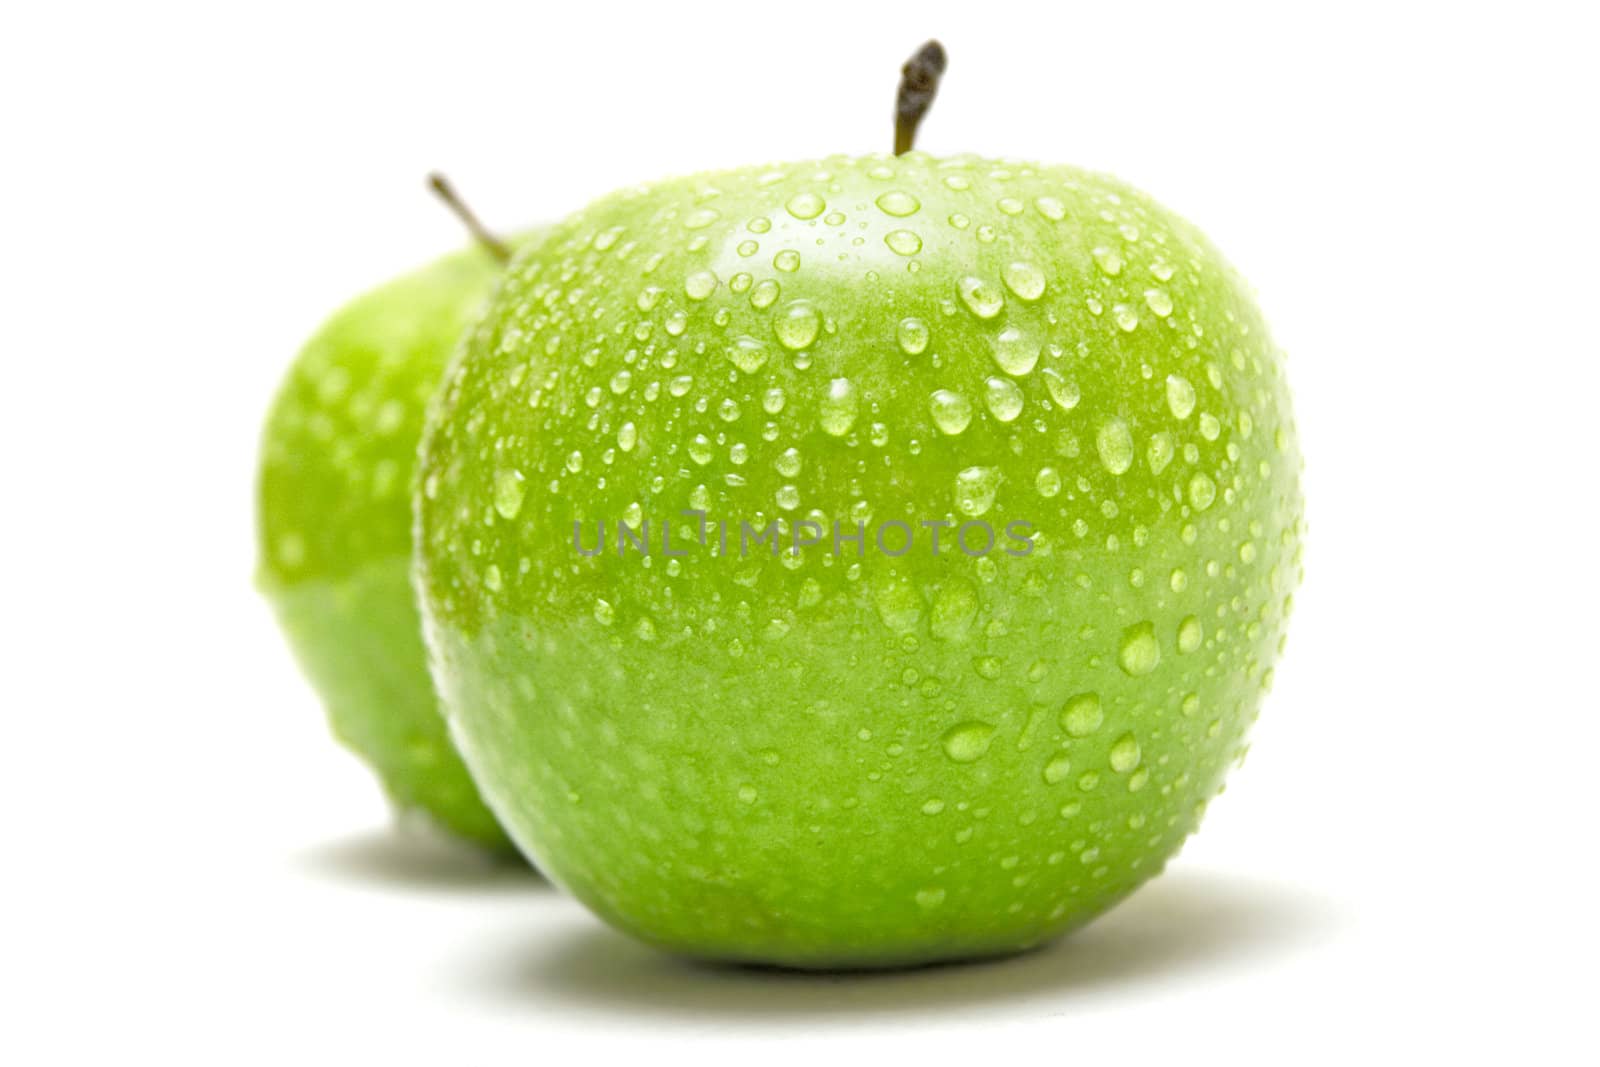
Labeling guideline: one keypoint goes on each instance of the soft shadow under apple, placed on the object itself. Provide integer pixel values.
(1182, 922)
(404, 859)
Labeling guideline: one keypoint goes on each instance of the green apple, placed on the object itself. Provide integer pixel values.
(854, 754)
(335, 528)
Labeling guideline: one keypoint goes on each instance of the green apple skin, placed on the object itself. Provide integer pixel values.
(334, 522)
(842, 762)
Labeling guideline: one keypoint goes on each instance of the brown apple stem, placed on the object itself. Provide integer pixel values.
(919, 83)
(480, 233)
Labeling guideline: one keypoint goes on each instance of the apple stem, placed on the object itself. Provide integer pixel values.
(919, 83)
(480, 233)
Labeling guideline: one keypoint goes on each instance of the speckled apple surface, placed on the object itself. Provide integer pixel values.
(334, 520)
(843, 761)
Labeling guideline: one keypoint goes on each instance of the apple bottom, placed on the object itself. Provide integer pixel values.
(821, 816)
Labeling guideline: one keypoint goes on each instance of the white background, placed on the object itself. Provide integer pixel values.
(195, 873)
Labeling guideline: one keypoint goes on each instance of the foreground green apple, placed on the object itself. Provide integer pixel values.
(857, 754)
(335, 528)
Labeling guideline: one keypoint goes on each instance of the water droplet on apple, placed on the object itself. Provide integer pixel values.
(509, 488)
(787, 261)
(1190, 633)
(1180, 396)
(975, 490)
(1057, 769)
(701, 218)
(1140, 653)
(1063, 390)
(951, 411)
(912, 333)
(903, 242)
(1127, 318)
(954, 608)
(1158, 301)
(1202, 491)
(748, 354)
(1082, 715)
(797, 325)
(1003, 398)
(1114, 442)
(839, 407)
(764, 294)
(699, 285)
(1108, 260)
(1024, 279)
(981, 298)
(1125, 754)
(968, 742)
(898, 203)
(1160, 452)
(1015, 351)
(805, 205)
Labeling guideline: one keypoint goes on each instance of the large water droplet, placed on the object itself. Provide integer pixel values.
(1190, 634)
(699, 285)
(1057, 769)
(748, 354)
(805, 205)
(1160, 452)
(953, 611)
(898, 604)
(975, 490)
(981, 298)
(1114, 441)
(1024, 279)
(912, 333)
(839, 407)
(1180, 396)
(797, 325)
(1082, 715)
(951, 411)
(968, 741)
(764, 294)
(1063, 390)
(1015, 351)
(508, 492)
(898, 203)
(1003, 398)
(1125, 754)
(1139, 653)
(903, 242)
(1202, 491)
(1108, 260)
